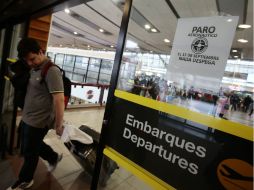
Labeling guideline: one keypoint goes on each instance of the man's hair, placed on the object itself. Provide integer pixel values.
(26, 46)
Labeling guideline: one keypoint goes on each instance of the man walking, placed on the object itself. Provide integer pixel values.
(43, 109)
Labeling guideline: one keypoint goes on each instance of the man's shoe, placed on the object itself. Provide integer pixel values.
(52, 167)
(19, 185)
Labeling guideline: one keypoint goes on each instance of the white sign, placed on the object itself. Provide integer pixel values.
(200, 51)
(89, 93)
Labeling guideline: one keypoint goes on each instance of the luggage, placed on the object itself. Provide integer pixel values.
(85, 154)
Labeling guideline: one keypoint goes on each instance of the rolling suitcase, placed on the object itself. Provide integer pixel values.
(85, 153)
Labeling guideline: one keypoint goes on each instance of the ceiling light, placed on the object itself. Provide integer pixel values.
(60, 45)
(242, 40)
(151, 51)
(101, 30)
(147, 26)
(112, 46)
(153, 30)
(88, 46)
(131, 44)
(104, 49)
(244, 26)
(234, 50)
(235, 56)
(166, 40)
(229, 20)
(75, 33)
(67, 11)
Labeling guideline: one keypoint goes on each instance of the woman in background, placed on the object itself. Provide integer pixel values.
(223, 105)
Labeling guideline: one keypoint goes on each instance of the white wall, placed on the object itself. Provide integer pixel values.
(86, 53)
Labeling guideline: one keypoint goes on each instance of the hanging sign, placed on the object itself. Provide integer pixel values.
(200, 51)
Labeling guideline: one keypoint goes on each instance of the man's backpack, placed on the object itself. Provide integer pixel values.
(66, 81)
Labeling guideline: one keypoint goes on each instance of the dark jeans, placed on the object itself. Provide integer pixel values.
(34, 147)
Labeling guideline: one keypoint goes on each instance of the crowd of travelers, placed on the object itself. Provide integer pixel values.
(159, 89)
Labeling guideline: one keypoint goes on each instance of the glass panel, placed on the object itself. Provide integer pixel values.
(1, 44)
(69, 60)
(94, 65)
(68, 68)
(105, 72)
(51, 55)
(77, 77)
(145, 67)
(93, 70)
(8, 107)
(59, 60)
(80, 68)
(81, 64)
(92, 77)
(104, 78)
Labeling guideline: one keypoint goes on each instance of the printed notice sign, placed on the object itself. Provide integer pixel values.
(200, 50)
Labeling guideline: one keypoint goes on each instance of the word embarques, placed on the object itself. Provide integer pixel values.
(171, 139)
(160, 150)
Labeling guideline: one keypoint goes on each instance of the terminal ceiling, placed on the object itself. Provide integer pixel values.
(107, 14)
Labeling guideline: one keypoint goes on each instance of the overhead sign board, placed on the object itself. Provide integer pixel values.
(200, 51)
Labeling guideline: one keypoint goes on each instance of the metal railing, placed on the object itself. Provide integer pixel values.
(88, 93)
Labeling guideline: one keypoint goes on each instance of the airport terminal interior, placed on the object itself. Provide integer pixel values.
(83, 40)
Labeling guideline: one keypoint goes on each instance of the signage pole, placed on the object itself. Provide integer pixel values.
(113, 85)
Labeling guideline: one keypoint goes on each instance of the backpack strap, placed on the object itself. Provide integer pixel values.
(45, 69)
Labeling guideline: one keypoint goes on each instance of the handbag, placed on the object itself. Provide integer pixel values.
(226, 106)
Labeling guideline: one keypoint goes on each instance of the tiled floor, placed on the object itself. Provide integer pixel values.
(69, 174)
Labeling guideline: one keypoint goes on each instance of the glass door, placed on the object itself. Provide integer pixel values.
(9, 112)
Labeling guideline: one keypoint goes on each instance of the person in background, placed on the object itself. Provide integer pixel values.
(234, 100)
(223, 106)
(246, 103)
(43, 108)
(251, 109)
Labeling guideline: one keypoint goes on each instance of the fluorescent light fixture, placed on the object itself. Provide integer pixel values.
(130, 44)
(67, 11)
(112, 46)
(75, 33)
(229, 20)
(234, 50)
(153, 30)
(235, 56)
(147, 26)
(60, 45)
(88, 46)
(101, 30)
(242, 40)
(244, 26)
(166, 40)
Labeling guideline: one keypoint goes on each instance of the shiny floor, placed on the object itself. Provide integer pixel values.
(69, 174)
